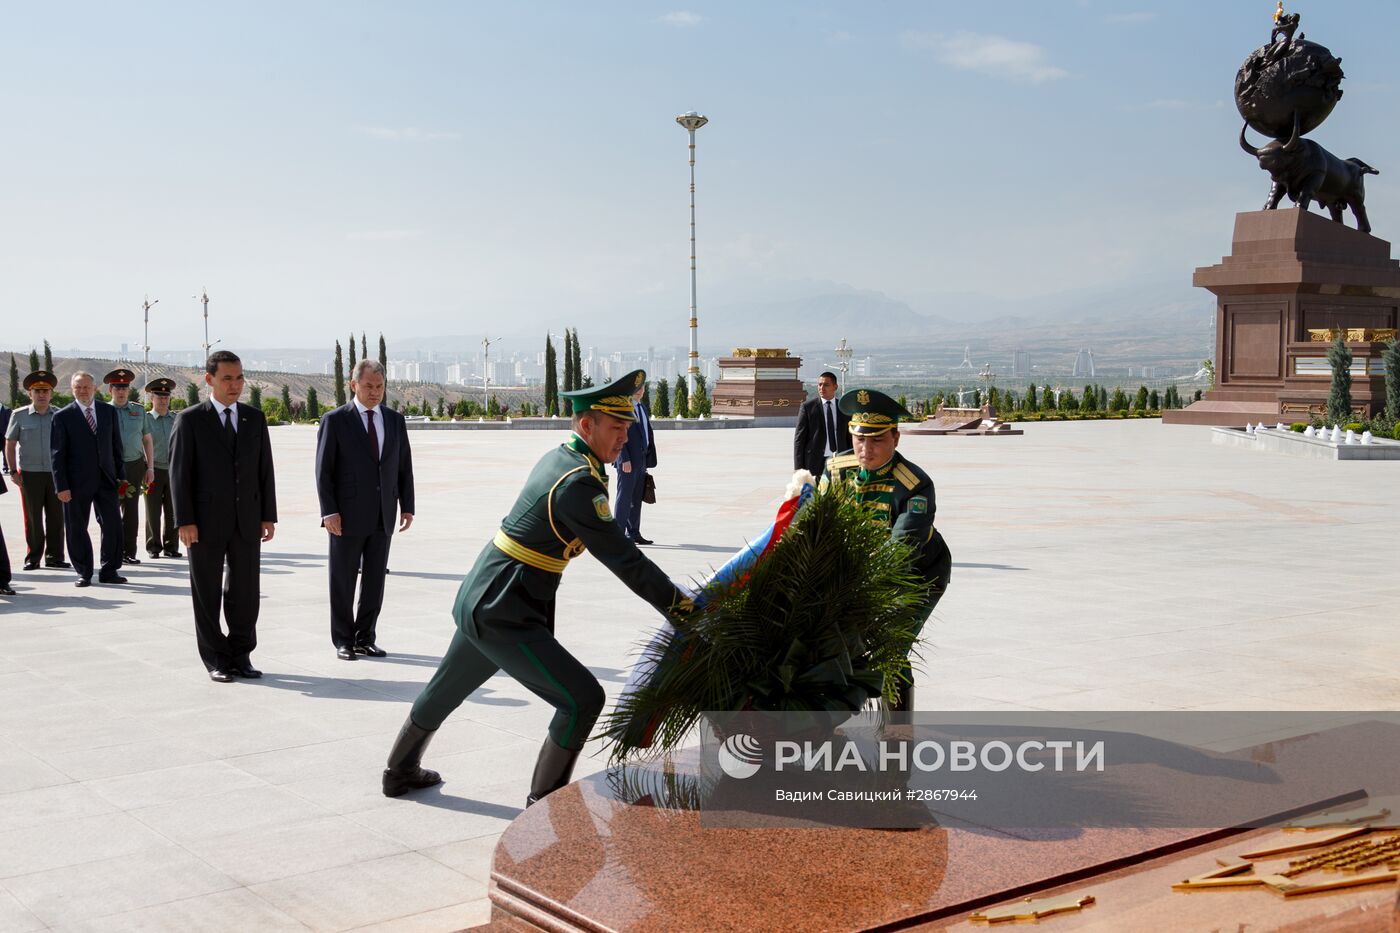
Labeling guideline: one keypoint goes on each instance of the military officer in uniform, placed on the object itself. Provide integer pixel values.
(29, 455)
(138, 469)
(895, 491)
(161, 539)
(505, 607)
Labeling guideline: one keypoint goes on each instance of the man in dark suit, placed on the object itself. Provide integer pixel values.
(5, 588)
(821, 428)
(638, 455)
(364, 479)
(225, 507)
(87, 460)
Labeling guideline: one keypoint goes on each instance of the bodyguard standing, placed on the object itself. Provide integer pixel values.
(638, 455)
(364, 479)
(137, 468)
(160, 504)
(87, 459)
(225, 507)
(822, 428)
(29, 456)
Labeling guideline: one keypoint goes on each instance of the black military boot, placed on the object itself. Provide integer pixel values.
(553, 769)
(404, 773)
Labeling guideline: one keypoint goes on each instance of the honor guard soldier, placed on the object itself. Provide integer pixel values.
(505, 607)
(161, 540)
(895, 492)
(29, 455)
(137, 469)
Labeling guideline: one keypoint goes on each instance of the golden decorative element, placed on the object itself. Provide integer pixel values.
(871, 418)
(742, 353)
(1034, 909)
(863, 397)
(771, 353)
(640, 377)
(1353, 334)
(1372, 813)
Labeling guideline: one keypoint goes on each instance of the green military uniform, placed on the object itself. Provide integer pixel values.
(897, 493)
(131, 422)
(43, 513)
(160, 504)
(505, 607)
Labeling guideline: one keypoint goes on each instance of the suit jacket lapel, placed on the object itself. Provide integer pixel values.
(218, 423)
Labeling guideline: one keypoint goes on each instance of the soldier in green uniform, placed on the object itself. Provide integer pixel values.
(161, 539)
(505, 606)
(136, 447)
(29, 454)
(894, 490)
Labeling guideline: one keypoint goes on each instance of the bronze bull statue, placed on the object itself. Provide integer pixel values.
(1303, 170)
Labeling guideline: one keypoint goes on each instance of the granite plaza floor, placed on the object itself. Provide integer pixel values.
(1098, 566)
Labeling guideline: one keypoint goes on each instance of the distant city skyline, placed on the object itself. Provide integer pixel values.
(444, 167)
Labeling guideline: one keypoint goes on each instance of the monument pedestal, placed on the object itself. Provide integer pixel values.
(761, 384)
(1292, 278)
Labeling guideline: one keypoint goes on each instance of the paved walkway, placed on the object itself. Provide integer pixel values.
(1097, 566)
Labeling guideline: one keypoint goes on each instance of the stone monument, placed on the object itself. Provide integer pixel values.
(1293, 278)
(759, 383)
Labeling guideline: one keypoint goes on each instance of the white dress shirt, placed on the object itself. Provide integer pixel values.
(378, 425)
(220, 408)
(829, 416)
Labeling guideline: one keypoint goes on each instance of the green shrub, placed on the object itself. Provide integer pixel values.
(1353, 426)
(1298, 426)
(1396, 433)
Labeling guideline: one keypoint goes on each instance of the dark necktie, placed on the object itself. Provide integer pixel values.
(373, 434)
(830, 428)
(229, 433)
(92, 422)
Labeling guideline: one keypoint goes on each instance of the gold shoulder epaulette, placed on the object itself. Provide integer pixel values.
(843, 461)
(905, 476)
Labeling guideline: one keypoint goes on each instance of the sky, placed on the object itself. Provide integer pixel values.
(427, 168)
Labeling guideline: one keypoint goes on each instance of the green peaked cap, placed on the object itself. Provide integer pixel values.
(872, 412)
(615, 398)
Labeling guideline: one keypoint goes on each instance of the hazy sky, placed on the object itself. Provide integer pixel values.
(431, 168)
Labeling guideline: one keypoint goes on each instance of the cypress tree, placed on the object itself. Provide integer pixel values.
(313, 404)
(364, 347)
(1068, 401)
(1119, 402)
(1391, 357)
(352, 352)
(568, 361)
(33, 360)
(191, 395)
(1140, 399)
(700, 404)
(682, 400)
(48, 356)
(1154, 401)
(1086, 404)
(255, 399)
(578, 365)
(1339, 397)
(1031, 403)
(14, 382)
(339, 375)
(663, 399)
(384, 354)
(287, 401)
(551, 378)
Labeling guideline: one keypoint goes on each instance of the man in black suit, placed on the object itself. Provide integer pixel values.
(87, 459)
(821, 428)
(225, 507)
(364, 479)
(638, 455)
(5, 588)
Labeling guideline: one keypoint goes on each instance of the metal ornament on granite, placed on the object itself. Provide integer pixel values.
(1286, 89)
(1034, 908)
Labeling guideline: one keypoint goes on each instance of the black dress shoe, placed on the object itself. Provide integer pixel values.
(155, 556)
(6, 590)
(130, 560)
(640, 540)
(82, 581)
(245, 670)
(374, 651)
(345, 653)
(173, 554)
(58, 564)
(31, 565)
(114, 581)
(220, 677)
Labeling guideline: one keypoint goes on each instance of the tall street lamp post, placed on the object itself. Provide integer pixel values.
(692, 121)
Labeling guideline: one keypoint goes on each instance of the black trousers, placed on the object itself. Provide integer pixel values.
(76, 512)
(4, 560)
(365, 556)
(135, 474)
(43, 517)
(628, 510)
(225, 573)
(160, 535)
